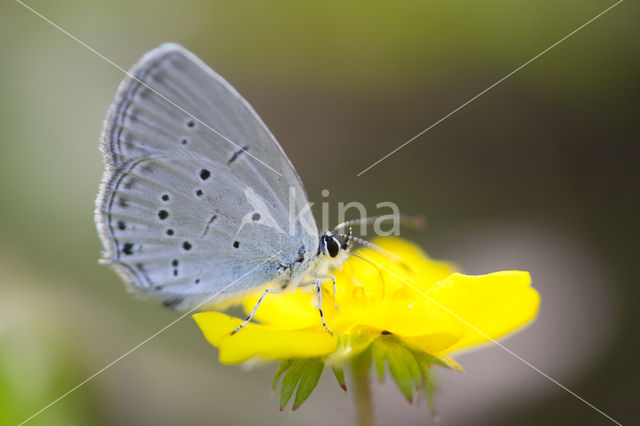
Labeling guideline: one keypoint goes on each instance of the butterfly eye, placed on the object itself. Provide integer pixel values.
(332, 246)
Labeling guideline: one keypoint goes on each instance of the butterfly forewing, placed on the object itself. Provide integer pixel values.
(197, 191)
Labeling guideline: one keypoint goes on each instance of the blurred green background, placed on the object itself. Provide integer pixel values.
(541, 174)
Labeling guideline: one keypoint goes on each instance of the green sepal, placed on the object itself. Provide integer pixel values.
(403, 365)
(429, 384)
(302, 376)
(351, 345)
(425, 358)
(289, 382)
(284, 366)
(308, 381)
(361, 363)
(378, 354)
(339, 373)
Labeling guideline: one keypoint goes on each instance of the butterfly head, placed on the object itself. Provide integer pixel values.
(330, 245)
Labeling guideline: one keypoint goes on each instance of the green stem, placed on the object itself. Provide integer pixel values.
(362, 394)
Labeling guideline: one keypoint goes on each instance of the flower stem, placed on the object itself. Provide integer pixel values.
(362, 395)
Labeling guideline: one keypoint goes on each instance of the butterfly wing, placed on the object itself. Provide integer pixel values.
(197, 193)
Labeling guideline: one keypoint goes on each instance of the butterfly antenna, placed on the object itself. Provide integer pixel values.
(415, 221)
(371, 246)
(376, 248)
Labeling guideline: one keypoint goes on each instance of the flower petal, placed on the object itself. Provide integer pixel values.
(417, 318)
(414, 265)
(489, 306)
(413, 255)
(287, 310)
(432, 343)
(259, 340)
(216, 326)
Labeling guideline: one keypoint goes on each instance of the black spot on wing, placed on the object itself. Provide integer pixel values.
(206, 228)
(127, 249)
(163, 214)
(205, 174)
(175, 264)
(236, 244)
(236, 154)
(173, 301)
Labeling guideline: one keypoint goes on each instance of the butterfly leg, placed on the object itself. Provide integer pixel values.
(335, 288)
(318, 285)
(255, 308)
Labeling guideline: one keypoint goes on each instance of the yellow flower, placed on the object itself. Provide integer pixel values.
(387, 306)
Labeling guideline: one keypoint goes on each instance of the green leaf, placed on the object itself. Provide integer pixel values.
(339, 373)
(308, 381)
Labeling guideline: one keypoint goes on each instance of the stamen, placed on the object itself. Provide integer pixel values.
(383, 285)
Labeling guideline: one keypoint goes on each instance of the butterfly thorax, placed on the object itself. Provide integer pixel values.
(330, 255)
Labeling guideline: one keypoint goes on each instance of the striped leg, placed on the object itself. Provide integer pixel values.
(335, 288)
(255, 309)
(319, 295)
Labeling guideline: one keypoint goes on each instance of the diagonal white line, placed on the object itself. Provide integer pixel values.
(490, 87)
(77, 40)
(494, 341)
(91, 377)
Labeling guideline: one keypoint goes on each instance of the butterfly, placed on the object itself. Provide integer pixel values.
(198, 199)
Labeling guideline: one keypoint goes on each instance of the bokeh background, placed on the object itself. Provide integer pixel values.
(540, 173)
